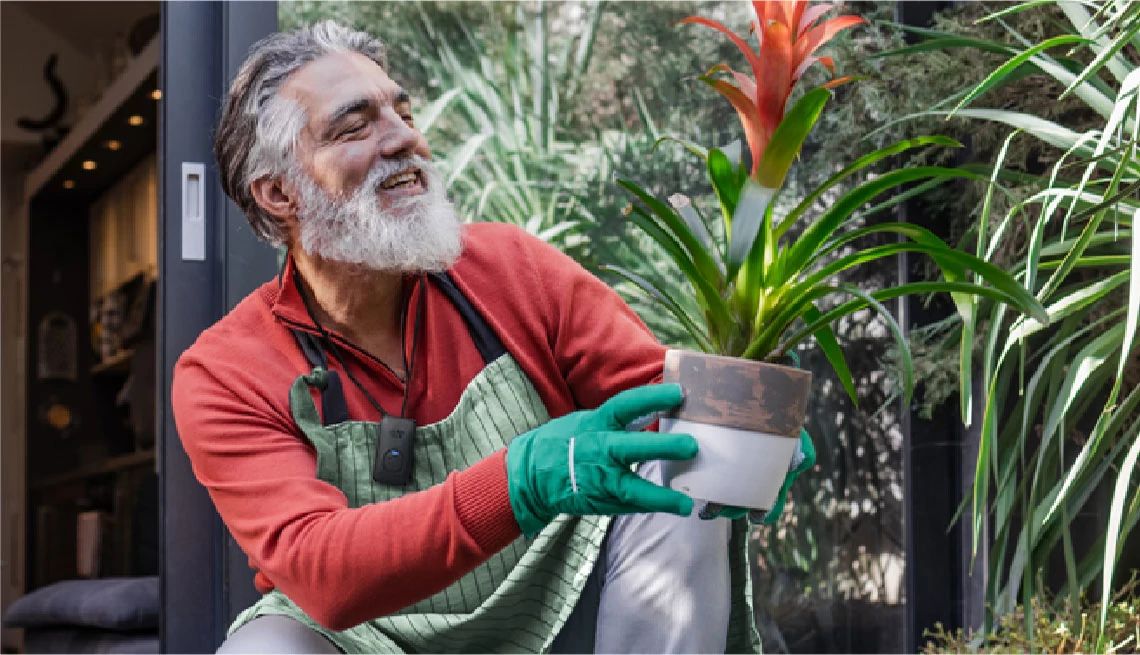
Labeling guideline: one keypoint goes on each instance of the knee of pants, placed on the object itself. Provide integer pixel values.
(276, 634)
(663, 553)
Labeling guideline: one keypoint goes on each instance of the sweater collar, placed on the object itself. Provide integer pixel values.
(288, 306)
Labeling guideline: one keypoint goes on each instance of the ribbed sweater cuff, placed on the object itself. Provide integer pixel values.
(484, 504)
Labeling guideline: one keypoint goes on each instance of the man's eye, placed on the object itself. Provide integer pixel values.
(352, 129)
(407, 118)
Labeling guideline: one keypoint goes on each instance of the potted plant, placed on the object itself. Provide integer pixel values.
(763, 282)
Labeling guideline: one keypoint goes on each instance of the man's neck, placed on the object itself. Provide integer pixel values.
(362, 305)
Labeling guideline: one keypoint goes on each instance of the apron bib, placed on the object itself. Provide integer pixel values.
(519, 599)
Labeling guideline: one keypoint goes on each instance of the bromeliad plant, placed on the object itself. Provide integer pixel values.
(766, 283)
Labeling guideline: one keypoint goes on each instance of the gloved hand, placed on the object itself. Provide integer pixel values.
(580, 463)
(803, 460)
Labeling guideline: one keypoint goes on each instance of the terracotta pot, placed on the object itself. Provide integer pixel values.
(746, 416)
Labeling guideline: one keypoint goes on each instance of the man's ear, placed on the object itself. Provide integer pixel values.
(275, 199)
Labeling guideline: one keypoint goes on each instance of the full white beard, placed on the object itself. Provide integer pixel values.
(417, 234)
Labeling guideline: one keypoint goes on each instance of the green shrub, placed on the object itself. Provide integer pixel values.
(1059, 628)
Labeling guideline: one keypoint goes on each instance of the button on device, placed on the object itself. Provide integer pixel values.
(395, 450)
(393, 460)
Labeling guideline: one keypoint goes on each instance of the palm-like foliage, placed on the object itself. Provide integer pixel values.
(498, 124)
(1060, 417)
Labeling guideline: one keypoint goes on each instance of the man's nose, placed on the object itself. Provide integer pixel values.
(399, 140)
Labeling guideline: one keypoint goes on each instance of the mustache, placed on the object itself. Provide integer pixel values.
(387, 167)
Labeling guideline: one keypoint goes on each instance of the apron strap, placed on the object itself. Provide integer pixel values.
(334, 409)
(486, 341)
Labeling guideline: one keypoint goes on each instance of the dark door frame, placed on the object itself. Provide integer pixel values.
(205, 581)
(939, 459)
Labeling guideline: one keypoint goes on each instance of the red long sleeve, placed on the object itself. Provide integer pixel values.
(571, 335)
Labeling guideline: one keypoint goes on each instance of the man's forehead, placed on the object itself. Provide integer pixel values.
(324, 83)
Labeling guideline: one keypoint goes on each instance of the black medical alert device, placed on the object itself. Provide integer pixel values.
(393, 463)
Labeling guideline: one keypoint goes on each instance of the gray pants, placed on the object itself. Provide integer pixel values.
(660, 586)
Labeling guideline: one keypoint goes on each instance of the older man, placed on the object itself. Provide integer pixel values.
(375, 425)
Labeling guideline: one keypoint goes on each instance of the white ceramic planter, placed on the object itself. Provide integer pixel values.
(746, 417)
(736, 467)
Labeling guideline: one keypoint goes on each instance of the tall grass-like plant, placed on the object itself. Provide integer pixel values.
(1060, 418)
(759, 291)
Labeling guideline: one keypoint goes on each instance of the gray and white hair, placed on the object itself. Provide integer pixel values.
(258, 130)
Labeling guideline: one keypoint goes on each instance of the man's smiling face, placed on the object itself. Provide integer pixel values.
(365, 192)
(357, 118)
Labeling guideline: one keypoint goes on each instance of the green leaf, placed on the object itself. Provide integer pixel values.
(943, 43)
(1133, 318)
(726, 184)
(654, 292)
(1103, 58)
(966, 365)
(967, 308)
(698, 150)
(804, 249)
(676, 226)
(747, 220)
(900, 339)
(1068, 304)
(1052, 133)
(1082, 242)
(825, 337)
(1112, 541)
(946, 38)
(1015, 62)
(459, 160)
(855, 305)
(897, 198)
(707, 296)
(1093, 261)
(683, 205)
(426, 117)
(857, 165)
(953, 263)
(1017, 8)
(789, 137)
(1087, 361)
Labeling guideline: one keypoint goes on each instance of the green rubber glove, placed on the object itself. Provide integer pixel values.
(580, 463)
(806, 460)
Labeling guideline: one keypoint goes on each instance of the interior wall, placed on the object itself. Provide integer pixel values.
(84, 36)
(13, 342)
(24, 50)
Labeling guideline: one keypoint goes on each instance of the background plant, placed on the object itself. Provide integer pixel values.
(1059, 426)
(1059, 627)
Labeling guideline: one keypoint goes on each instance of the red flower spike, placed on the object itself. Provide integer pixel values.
(788, 39)
(821, 34)
(810, 16)
(797, 14)
(743, 82)
(754, 131)
(742, 45)
(773, 90)
(838, 82)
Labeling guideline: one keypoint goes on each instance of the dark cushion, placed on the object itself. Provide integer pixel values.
(111, 603)
(88, 640)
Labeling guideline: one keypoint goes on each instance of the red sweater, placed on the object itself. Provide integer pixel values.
(572, 335)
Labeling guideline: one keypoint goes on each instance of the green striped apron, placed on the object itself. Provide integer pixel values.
(519, 599)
